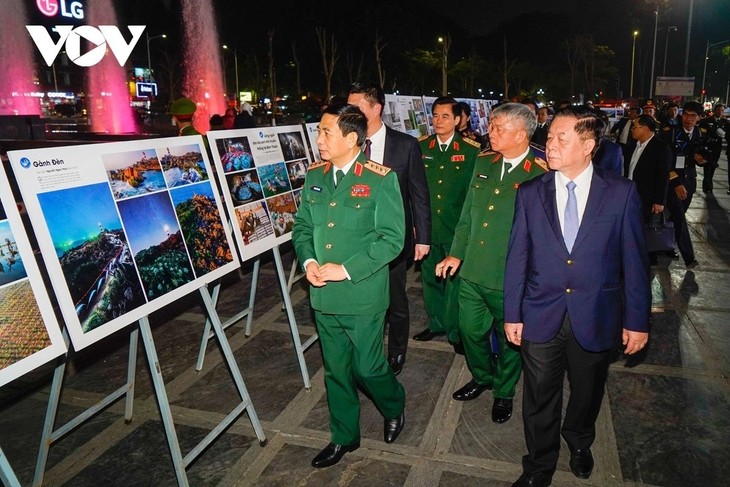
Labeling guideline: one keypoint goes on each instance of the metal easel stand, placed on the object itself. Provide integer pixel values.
(248, 313)
(7, 476)
(293, 277)
(298, 347)
(49, 436)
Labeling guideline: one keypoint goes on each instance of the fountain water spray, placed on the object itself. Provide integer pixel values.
(18, 79)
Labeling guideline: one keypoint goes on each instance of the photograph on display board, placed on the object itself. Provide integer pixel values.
(11, 264)
(93, 252)
(274, 179)
(312, 134)
(134, 173)
(182, 165)
(202, 227)
(245, 187)
(297, 197)
(156, 242)
(292, 145)
(235, 154)
(22, 331)
(283, 211)
(254, 222)
(297, 172)
(394, 112)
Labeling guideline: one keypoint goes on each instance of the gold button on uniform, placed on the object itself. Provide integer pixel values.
(438, 211)
(569, 291)
(485, 224)
(441, 167)
(330, 224)
(491, 207)
(570, 262)
(328, 246)
(441, 181)
(438, 196)
(481, 242)
(332, 203)
(496, 191)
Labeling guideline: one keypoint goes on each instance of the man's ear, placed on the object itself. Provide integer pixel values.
(588, 146)
(351, 139)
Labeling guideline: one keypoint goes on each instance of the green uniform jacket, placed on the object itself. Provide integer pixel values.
(448, 174)
(484, 227)
(360, 224)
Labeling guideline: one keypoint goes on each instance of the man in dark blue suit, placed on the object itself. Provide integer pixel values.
(576, 282)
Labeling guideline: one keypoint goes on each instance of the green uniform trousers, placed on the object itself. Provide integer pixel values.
(440, 296)
(480, 309)
(352, 347)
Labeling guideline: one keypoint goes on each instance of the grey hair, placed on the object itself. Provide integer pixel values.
(518, 112)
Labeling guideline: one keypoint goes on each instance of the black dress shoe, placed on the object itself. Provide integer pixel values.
(581, 463)
(673, 254)
(393, 427)
(332, 454)
(427, 335)
(533, 480)
(693, 264)
(501, 410)
(396, 362)
(458, 347)
(470, 391)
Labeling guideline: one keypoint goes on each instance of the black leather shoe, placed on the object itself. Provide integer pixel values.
(581, 463)
(427, 335)
(673, 255)
(470, 391)
(393, 427)
(396, 363)
(458, 347)
(332, 454)
(501, 410)
(693, 264)
(533, 480)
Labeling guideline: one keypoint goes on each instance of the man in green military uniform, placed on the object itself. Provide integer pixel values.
(449, 162)
(182, 111)
(350, 225)
(480, 242)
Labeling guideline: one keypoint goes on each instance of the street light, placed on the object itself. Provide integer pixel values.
(672, 28)
(149, 59)
(653, 53)
(235, 62)
(445, 44)
(704, 70)
(633, 59)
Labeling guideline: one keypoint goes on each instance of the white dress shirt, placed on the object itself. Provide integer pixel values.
(636, 155)
(377, 145)
(582, 189)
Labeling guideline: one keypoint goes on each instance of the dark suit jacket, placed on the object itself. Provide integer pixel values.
(610, 157)
(540, 135)
(651, 174)
(403, 155)
(603, 283)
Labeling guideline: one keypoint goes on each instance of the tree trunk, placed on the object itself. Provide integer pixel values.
(378, 61)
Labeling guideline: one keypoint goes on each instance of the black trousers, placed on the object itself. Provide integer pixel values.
(544, 365)
(677, 209)
(398, 317)
(709, 168)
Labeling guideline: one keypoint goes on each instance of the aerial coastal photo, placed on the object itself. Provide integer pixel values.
(134, 173)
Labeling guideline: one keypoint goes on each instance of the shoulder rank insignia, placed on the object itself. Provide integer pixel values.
(423, 137)
(542, 163)
(377, 168)
(317, 164)
(486, 152)
(703, 130)
(471, 142)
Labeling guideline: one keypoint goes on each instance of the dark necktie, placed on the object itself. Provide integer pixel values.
(570, 217)
(368, 144)
(443, 147)
(338, 177)
(507, 167)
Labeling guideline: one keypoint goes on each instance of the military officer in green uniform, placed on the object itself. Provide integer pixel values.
(350, 225)
(480, 242)
(182, 111)
(449, 162)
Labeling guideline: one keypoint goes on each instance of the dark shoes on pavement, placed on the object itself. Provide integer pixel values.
(427, 335)
(501, 410)
(581, 463)
(533, 480)
(393, 427)
(470, 391)
(397, 362)
(332, 454)
(458, 347)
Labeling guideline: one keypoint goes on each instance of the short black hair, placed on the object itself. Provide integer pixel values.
(373, 92)
(350, 119)
(647, 121)
(465, 108)
(447, 100)
(587, 125)
(693, 106)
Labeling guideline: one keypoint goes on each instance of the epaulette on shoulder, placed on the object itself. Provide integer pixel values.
(377, 168)
(542, 163)
(317, 164)
(486, 153)
(703, 129)
(423, 137)
(471, 142)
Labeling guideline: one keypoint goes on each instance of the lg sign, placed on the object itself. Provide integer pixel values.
(50, 8)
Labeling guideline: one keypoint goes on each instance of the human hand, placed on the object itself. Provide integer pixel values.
(513, 332)
(699, 159)
(656, 209)
(442, 268)
(421, 251)
(634, 341)
(313, 275)
(681, 192)
(333, 272)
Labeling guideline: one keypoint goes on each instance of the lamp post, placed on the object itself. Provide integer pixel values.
(633, 59)
(445, 44)
(672, 28)
(689, 34)
(653, 53)
(704, 70)
(235, 63)
(149, 58)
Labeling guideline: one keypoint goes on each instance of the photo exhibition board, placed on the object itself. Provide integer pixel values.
(261, 172)
(311, 129)
(30, 335)
(124, 228)
(405, 114)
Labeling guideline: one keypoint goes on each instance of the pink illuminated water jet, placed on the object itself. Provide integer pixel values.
(107, 93)
(203, 79)
(17, 82)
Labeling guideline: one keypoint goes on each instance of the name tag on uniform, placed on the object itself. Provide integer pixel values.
(680, 162)
(427, 157)
(316, 188)
(458, 158)
(483, 176)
